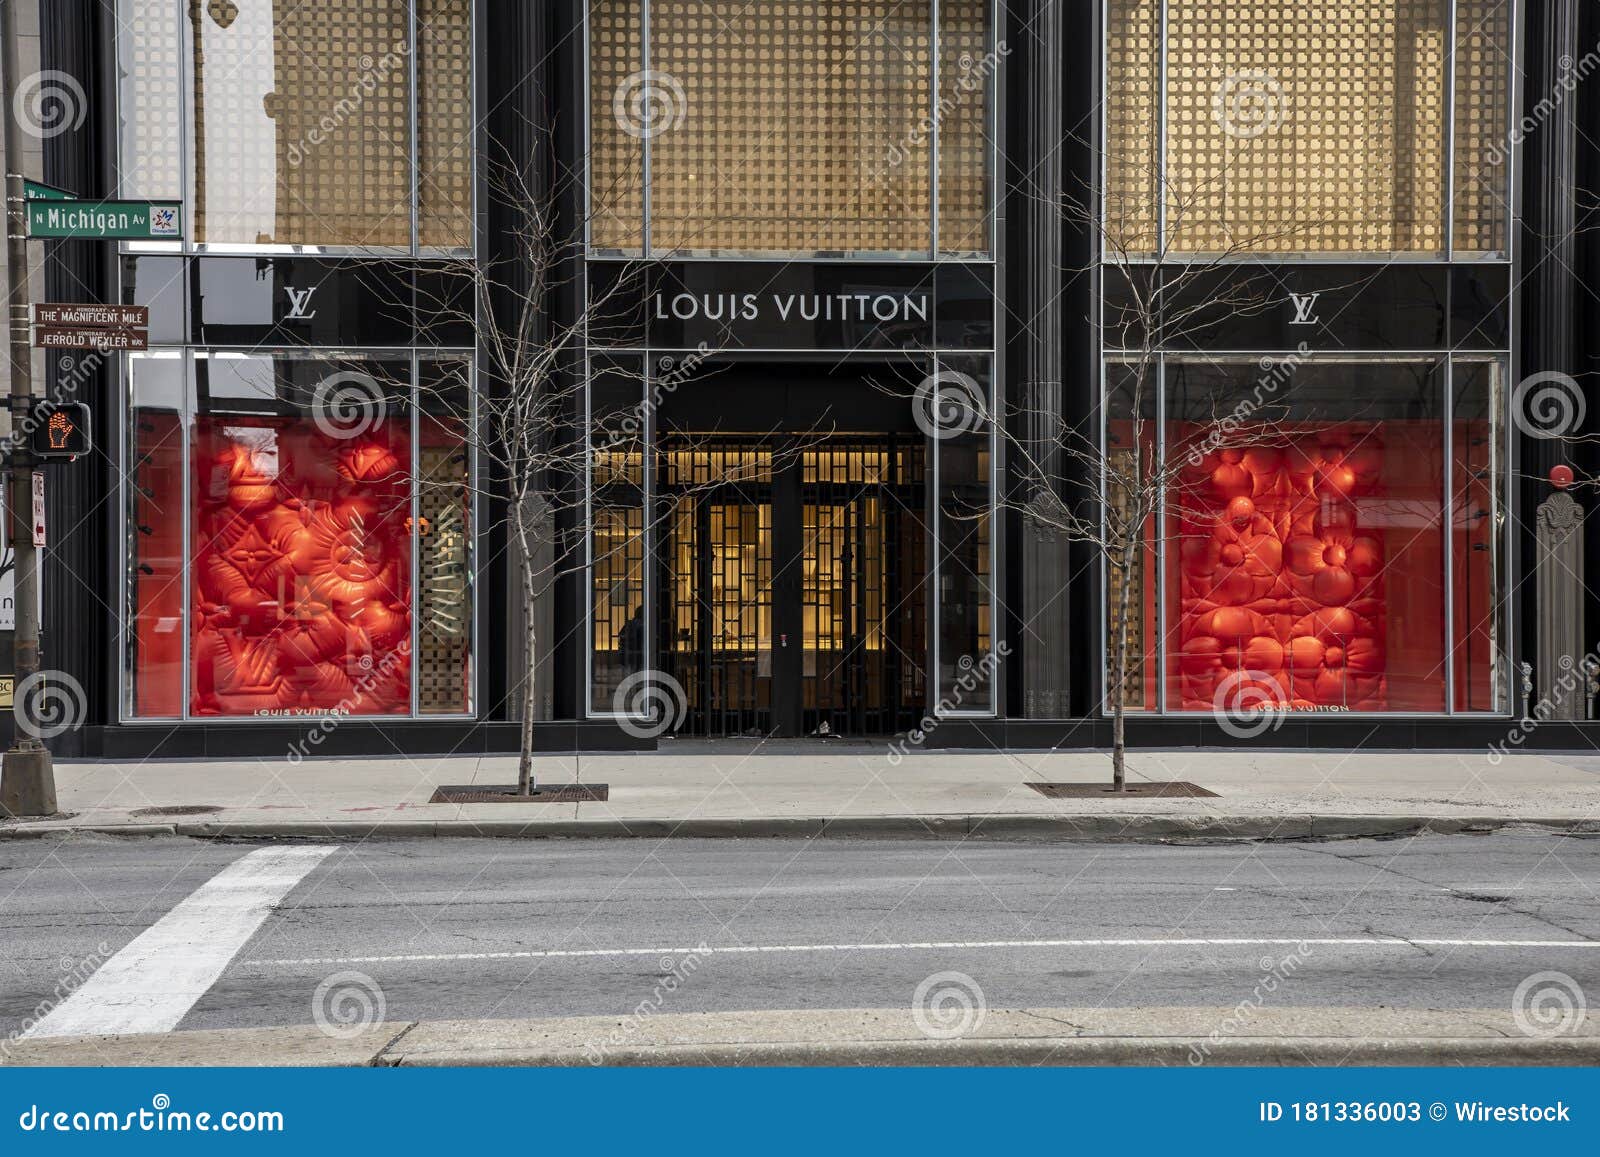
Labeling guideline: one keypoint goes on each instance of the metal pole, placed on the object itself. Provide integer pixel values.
(27, 779)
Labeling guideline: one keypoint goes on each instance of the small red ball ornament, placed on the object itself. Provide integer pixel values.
(1561, 477)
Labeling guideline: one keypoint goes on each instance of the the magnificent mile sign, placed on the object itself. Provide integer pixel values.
(757, 305)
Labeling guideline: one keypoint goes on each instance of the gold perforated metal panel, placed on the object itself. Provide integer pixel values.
(302, 122)
(967, 74)
(444, 123)
(1132, 104)
(1293, 127)
(799, 127)
(616, 162)
(781, 127)
(151, 92)
(300, 118)
(1482, 152)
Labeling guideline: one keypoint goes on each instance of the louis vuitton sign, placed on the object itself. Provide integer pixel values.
(753, 305)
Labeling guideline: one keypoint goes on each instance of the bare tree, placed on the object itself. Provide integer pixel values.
(1108, 493)
(527, 302)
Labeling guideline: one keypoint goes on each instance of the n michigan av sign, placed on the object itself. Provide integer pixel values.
(106, 220)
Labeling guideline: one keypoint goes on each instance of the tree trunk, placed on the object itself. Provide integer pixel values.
(525, 780)
(1119, 664)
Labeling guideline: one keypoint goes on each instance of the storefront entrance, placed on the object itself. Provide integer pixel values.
(792, 572)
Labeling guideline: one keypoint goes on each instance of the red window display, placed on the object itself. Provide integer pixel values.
(305, 526)
(1304, 552)
(301, 572)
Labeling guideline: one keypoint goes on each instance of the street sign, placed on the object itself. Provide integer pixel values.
(36, 191)
(106, 220)
(91, 339)
(88, 315)
(60, 430)
(38, 508)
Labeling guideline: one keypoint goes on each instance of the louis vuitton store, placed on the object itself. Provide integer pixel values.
(874, 303)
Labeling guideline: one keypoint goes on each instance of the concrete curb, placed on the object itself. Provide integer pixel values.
(392, 1045)
(1088, 827)
(1033, 1051)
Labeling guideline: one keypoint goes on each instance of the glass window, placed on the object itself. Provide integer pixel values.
(1305, 547)
(300, 543)
(157, 510)
(299, 538)
(297, 123)
(1131, 558)
(1476, 519)
(963, 437)
(780, 129)
(444, 536)
(619, 608)
(1285, 131)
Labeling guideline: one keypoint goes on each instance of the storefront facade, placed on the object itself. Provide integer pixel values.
(866, 291)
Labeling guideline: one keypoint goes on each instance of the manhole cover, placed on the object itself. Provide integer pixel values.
(560, 793)
(1174, 789)
(178, 809)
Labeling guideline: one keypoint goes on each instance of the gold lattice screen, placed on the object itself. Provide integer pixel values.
(302, 122)
(789, 128)
(1294, 127)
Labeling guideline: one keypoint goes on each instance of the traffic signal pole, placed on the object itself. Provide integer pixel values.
(27, 776)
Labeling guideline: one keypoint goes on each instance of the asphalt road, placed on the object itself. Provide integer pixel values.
(509, 928)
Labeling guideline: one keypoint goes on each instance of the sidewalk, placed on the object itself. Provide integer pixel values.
(745, 788)
(1043, 1036)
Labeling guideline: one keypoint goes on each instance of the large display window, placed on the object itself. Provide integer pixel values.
(849, 129)
(299, 537)
(1331, 539)
(337, 125)
(1276, 126)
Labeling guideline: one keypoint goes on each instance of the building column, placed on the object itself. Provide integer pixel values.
(1043, 550)
(1552, 178)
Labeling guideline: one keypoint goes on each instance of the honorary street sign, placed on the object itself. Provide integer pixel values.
(91, 339)
(83, 315)
(36, 191)
(106, 220)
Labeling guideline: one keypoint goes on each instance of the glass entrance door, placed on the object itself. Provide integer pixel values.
(793, 581)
